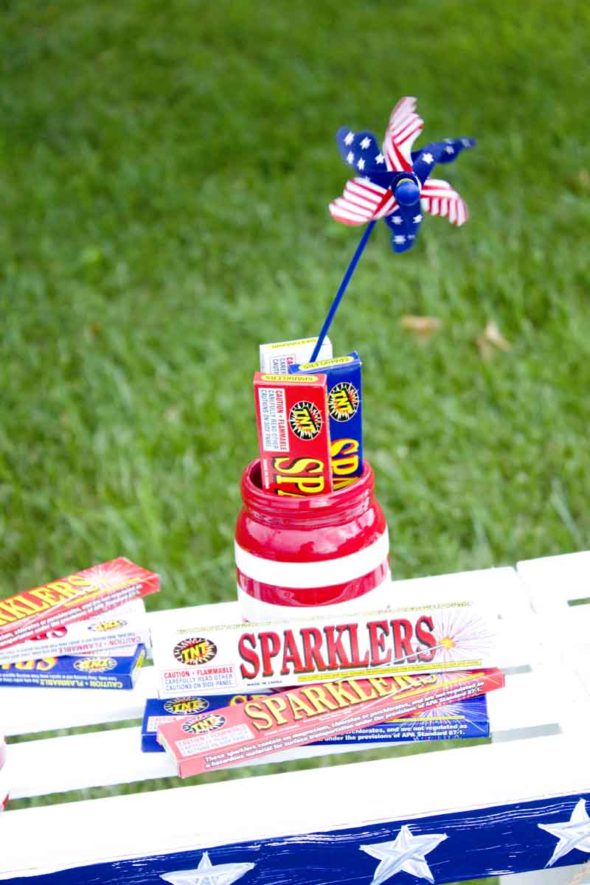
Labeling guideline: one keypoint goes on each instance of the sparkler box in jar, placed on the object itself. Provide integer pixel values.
(466, 719)
(276, 357)
(249, 657)
(345, 411)
(75, 597)
(293, 433)
(107, 633)
(76, 672)
(267, 725)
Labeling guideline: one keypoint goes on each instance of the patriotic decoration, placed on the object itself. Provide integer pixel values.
(393, 181)
(572, 834)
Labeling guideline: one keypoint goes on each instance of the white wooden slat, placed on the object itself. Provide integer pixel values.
(97, 759)
(498, 589)
(73, 762)
(523, 707)
(164, 821)
(32, 710)
(553, 581)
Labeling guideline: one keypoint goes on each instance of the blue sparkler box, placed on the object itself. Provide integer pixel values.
(106, 671)
(345, 408)
(467, 719)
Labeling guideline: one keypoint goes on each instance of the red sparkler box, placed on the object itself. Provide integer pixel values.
(293, 433)
(90, 592)
(270, 724)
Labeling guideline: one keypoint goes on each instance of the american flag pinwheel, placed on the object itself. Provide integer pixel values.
(393, 181)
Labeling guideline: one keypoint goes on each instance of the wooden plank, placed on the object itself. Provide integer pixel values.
(33, 710)
(485, 809)
(554, 581)
(522, 709)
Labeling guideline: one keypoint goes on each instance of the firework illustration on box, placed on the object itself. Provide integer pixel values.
(310, 439)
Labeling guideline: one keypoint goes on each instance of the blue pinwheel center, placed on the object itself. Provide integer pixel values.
(407, 190)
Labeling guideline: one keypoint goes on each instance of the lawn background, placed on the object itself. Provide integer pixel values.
(165, 171)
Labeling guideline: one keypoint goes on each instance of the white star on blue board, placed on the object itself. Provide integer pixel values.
(365, 143)
(406, 853)
(349, 138)
(572, 833)
(208, 873)
(427, 158)
(379, 158)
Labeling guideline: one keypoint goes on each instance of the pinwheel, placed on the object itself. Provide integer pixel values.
(393, 183)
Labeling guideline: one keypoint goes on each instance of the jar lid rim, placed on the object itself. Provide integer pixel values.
(254, 494)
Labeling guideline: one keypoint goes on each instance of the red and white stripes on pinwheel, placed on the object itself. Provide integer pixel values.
(362, 201)
(404, 127)
(437, 197)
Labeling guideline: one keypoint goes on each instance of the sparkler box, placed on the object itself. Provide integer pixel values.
(107, 633)
(277, 356)
(293, 433)
(245, 658)
(76, 672)
(75, 597)
(345, 411)
(467, 719)
(267, 725)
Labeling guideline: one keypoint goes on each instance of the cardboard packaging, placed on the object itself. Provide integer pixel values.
(345, 413)
(114, 672)
(82, 595)
(277, 356)
(467, 719)
(293, 433)
(245, 658)
(267, 725)
(106, 633)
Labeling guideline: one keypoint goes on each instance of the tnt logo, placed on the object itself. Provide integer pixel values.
(343, 401)
(305, 420)
(180, 706)
(103, 626)
(201, 724)
(95, 665)
(195, 651)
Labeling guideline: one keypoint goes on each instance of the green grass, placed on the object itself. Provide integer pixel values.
(164, 176)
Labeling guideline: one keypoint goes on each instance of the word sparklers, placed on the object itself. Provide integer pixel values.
(393, 183)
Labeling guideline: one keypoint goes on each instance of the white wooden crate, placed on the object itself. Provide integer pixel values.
(358, 822)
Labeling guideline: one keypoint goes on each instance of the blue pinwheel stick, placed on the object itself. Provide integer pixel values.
(393, 184)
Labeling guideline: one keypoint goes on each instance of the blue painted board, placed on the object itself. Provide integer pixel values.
(440, 848)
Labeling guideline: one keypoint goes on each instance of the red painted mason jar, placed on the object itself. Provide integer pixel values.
(321, 554)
